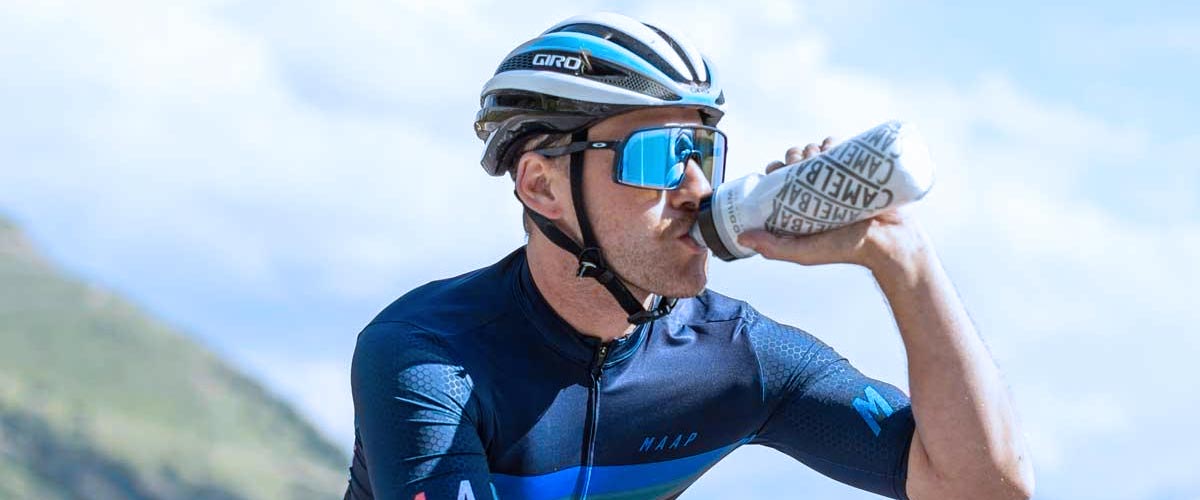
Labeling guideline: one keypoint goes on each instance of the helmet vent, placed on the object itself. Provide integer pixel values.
(521, 61)
(678, 50)
(628, 43)
(639, 84)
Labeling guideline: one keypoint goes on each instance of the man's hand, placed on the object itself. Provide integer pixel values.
(967, 443)
(886, 239)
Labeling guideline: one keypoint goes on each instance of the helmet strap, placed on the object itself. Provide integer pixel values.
(591, 259)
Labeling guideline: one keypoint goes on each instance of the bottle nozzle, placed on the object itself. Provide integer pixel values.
(694, 232)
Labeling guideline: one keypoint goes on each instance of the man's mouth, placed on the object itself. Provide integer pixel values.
(683, 235)
(687, 240)
(680, 229)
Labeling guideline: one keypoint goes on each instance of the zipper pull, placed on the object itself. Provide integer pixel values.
(598, 361)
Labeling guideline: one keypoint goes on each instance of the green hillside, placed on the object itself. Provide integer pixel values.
(99, 400)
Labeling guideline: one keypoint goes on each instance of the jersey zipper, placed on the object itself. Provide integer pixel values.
(589, 441)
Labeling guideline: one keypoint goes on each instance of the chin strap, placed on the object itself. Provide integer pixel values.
(591, 259)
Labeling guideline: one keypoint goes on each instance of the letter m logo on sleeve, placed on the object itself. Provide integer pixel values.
(873, 409)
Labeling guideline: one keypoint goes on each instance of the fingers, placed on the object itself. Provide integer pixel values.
(792, 155)
(796, 154)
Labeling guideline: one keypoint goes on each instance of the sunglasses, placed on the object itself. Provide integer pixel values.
(657, 157)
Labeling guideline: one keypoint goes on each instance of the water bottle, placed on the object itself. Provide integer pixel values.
(882, 168)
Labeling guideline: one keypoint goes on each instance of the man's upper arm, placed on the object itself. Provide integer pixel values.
(415, 416)
(830, 416)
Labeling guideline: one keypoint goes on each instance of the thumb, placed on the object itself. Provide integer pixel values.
(753, 238)
(769, 245)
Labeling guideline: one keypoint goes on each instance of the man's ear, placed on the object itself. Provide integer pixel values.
(542, 185)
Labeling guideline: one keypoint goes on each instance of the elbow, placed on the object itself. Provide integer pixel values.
(1026, 490)
(1017, 474)
(1023, 481)
(1017, 487)
(1021, 489)
(1002, 483)
(1015, 470)
(1016, 482)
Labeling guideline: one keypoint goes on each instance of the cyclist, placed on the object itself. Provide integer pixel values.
(593, 363)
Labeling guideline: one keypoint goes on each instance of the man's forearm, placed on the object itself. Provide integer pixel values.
(966, 426)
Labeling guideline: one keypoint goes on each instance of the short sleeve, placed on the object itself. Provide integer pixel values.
(415, 419)
(828, 415)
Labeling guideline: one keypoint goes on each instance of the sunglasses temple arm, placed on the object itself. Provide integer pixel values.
(576, 147)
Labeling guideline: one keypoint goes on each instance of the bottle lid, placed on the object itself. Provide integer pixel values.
(708, 231)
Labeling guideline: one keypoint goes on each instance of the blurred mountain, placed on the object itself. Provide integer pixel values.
(99, 400)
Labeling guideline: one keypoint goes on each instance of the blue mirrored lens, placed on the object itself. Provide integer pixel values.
(658, 158)
(645, 157)
(685, 145)
(712, 156)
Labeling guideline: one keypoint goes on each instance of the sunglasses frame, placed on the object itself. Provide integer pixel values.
(618, 153)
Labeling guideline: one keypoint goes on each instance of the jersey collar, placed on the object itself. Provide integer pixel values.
(559, 335)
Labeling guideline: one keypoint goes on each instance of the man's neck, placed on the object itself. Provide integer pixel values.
(583, 302)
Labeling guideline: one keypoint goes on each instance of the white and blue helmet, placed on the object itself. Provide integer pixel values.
(583, 70)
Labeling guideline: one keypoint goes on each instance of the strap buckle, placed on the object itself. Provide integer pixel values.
(584, 269)
(664, 308)
(591, 263)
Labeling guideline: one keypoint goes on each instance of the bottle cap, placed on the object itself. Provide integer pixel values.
(707, 229)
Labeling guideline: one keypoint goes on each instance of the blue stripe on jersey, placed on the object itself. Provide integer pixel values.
(648, 480)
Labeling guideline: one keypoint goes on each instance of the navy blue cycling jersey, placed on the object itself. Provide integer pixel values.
(474, 388)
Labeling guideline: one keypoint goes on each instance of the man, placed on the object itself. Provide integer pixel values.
(594, 363)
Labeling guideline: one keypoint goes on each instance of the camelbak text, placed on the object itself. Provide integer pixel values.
(557, 61)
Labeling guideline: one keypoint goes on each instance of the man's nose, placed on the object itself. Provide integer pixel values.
(692, 188)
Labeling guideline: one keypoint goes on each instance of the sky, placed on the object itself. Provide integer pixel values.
(268, 176)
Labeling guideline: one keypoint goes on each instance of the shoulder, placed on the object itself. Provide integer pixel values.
(714, 307)
(403, 357)
(783, 352)
(387, 348)
(713, 312)
(761, 329)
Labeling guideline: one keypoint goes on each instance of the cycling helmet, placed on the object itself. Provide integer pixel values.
(578, 72)
(585, 69)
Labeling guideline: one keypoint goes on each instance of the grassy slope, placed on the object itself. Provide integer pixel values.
(102, 378)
